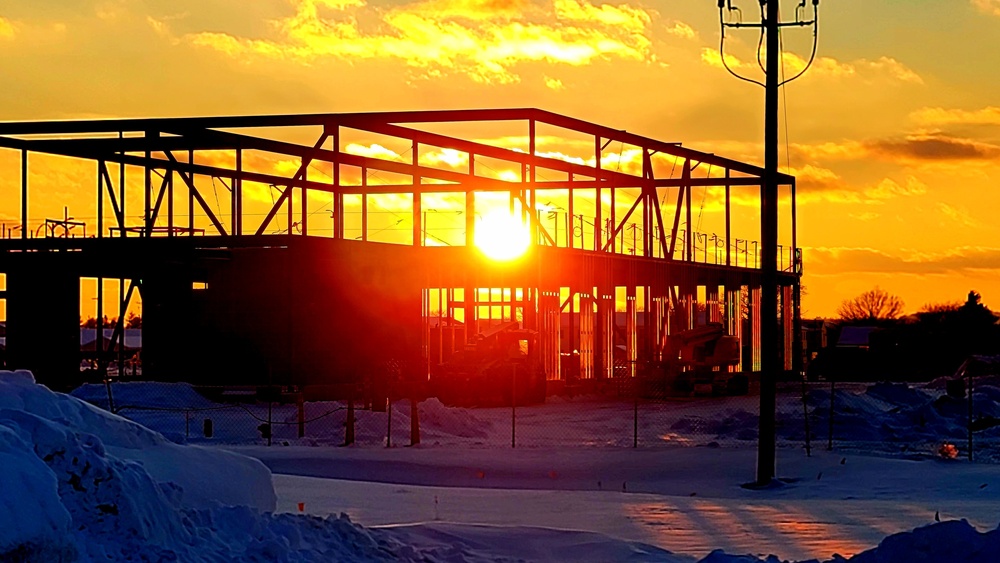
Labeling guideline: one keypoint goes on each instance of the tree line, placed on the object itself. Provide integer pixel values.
(932, 342)
(131, 321)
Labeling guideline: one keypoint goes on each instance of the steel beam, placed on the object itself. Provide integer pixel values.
(24, 193)
(189, 181)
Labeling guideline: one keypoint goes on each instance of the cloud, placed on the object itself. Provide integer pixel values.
(632, 20)
(844, 150)
(817, 184)
(893, 68)
(682, 30)
(826, 67)
(932, 147)
(959, 215)
(483, 39)
(923, 147)
(822, 184)
(554, 83)
(869, 260)
(712, 57)
(936, 117)
(988, 6)
(7, 29)
(889, 188)
(374, 150)
(449, 158)
(865, 216)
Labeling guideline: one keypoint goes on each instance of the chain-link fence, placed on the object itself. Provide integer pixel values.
(899, 419)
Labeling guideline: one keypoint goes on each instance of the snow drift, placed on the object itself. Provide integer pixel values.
(81, 484)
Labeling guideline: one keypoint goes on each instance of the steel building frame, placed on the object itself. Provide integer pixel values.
(560, 275)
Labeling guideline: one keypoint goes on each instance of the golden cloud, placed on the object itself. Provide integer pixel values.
(933, 147)
(373, 151)
(631, 20)
(484, 39)
(823, 66)
(988, 6)
(845, 150)
(893, 68)
(889, 188)
(869, 260)
(941, 116)
(959, 215)
(682, 30)
(7, 29)
(712, 57)
(865, 216)
(923, 147)
(553, 83)
(817, 184)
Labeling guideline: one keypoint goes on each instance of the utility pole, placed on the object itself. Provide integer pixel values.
(770, 26)
(767, 445)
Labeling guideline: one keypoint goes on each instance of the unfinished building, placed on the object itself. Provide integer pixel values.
(320, 249)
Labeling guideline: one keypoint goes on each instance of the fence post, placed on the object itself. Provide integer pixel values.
(270, 425)
(388, 431)
(833, 388)
(635, 412)
(300, 403)
(513, 406)
(187, 424)
(805, 415)
(349, 424)
(970, 413)
(414, 422)
(111, 400)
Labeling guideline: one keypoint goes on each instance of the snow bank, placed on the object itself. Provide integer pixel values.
(70, 476)
(888, 417)
(955, 542)
(145, 394)
(441, 541)
(205, 476)
(31, 514)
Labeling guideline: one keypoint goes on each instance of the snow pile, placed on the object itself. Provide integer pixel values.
(72, 492)
(146, 394)
(738, 424)
(441, 419)
(880, 417)
(955, 542)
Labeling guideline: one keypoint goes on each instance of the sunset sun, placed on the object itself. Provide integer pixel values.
(502, 236)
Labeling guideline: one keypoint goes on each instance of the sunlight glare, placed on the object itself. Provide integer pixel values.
(502, 236)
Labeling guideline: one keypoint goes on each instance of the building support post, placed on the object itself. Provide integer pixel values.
(24, 193)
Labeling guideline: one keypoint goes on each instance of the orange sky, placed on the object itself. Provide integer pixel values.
(894, 134)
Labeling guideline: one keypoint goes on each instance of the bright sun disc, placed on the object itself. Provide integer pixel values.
(501, 236)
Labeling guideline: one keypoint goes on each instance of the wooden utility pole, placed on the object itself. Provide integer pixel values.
(770, 360)
(770, 341)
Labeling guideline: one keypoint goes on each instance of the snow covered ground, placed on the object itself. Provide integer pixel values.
(80, 484)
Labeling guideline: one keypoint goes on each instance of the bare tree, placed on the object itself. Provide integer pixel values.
(872, 305)
(133, 321)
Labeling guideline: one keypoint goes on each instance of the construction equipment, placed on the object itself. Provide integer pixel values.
(501, 365)
(698, 360)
